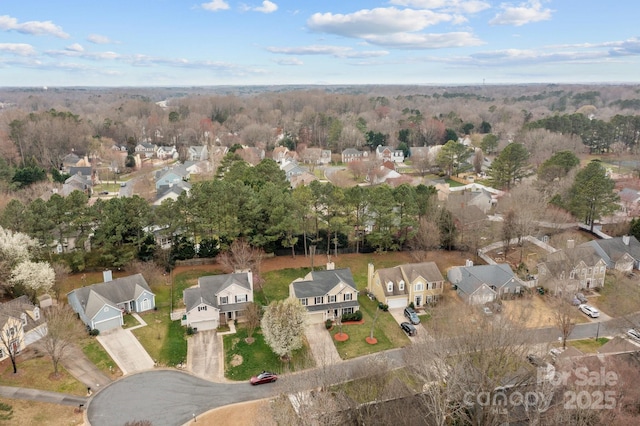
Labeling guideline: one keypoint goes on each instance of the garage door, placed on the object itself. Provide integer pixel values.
(398, 302)
(205, 325)
(315, 317)
(107, 325)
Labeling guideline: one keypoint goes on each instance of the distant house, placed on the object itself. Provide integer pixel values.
(217, 299)
(351, 154)
(197, 167)
(251, 154)
(326, 294)
(620, 253)
(316, 156)
(146, 149)
(281, 154)
(166, 192)
(22, 323)
(172, 176)
(630, 201)
(166, 152)
(100, 306)
(292, 169)
(304, 179)
(197, 153)
(417, 283)
(77, 183)
(482, 284)
(573, 269)
(387, 153)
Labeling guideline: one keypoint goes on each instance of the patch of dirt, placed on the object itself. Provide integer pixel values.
(236, 360)
(243, 414)
(534, 310)
(249, 340)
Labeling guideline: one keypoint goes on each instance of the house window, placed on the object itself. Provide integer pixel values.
(419, 286)
(23, 318)
(240, 298)
(389, 286)
(2, 353)
(572, 275)
(584, 271)
(347, 311)
(332, 299)
(304, 301)
(319, 300)
(348, 296)
(36, 313)
(590, 271)
(401, 285)
(224, 300)
(239, 314)
(202, 308)
(602, 269)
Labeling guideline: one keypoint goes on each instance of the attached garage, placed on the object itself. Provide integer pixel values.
(316, 317)
(204, 325)
(397, 302)
(108, 324)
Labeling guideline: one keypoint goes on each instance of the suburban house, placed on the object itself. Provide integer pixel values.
(167, 152)
(291, 169)
(417, 283)
(100, 306)
(197, 153)
(166, 192)
(316, 156)
(326, 294)
(217, 299)
(352, 154)
(387, 153)
(146, 149)
(281, 154)
(169, 177)
(630, 201)
(21, 324)
(77, 183)
(572, 269)
(482, 284)
(620, 253)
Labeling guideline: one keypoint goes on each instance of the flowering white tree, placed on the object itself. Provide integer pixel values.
(34, 276)
(15, 248)
(283, 326)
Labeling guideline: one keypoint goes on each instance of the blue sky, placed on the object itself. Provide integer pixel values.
(226, 42)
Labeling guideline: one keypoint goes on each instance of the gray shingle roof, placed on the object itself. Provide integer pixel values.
(322, 282)
(210, 286)
(93, 297)
(469, 278)
(15, 308)
(614, 248)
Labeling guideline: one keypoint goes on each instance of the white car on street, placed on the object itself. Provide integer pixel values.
(589, 310)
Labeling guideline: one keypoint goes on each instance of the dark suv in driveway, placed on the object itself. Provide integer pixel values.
(411, 315)
(408, 328)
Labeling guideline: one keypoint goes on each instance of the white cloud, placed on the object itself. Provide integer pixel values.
(289, 61)
(457, 6)
(75, 47)
(426, 41)
(215, 5)
(7, 23)
(336, 51)
(98, 39)
(375, 21)
(21, 49)
(522, 14)
(267, 7)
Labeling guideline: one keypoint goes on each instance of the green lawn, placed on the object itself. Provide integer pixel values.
(386, 330)
(258, 356)
(36, 373)
(129, 321)
(97, 355)
(276, 284)
(163, 339)
(588, 345)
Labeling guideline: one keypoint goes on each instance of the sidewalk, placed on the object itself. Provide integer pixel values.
(42, 396)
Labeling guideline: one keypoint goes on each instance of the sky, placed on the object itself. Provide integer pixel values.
(173, 43)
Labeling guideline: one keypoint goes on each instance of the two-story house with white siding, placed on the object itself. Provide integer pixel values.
(326, 294)
(217, 299)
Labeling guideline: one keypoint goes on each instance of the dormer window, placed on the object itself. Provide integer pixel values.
(36, 313)
(23, 318)
(390, 286)
(401, 285)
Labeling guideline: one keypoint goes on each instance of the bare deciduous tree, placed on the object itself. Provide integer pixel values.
(242, 256)
(63, 329)
(564, 317)
(252, 316)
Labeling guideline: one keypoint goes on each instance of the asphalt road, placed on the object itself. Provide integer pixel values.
(166, 398)
(170, 397)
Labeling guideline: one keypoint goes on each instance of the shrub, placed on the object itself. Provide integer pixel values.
(412, 306)
(190, 331)
(356, 316)
(94, 332)
(328, 324)
(383, 306)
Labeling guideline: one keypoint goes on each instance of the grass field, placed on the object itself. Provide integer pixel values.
(588, 345)
(243, 360)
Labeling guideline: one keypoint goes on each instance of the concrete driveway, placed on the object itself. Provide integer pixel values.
(126, 351)
(322, 347)
(398, 315)
(204, 352)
